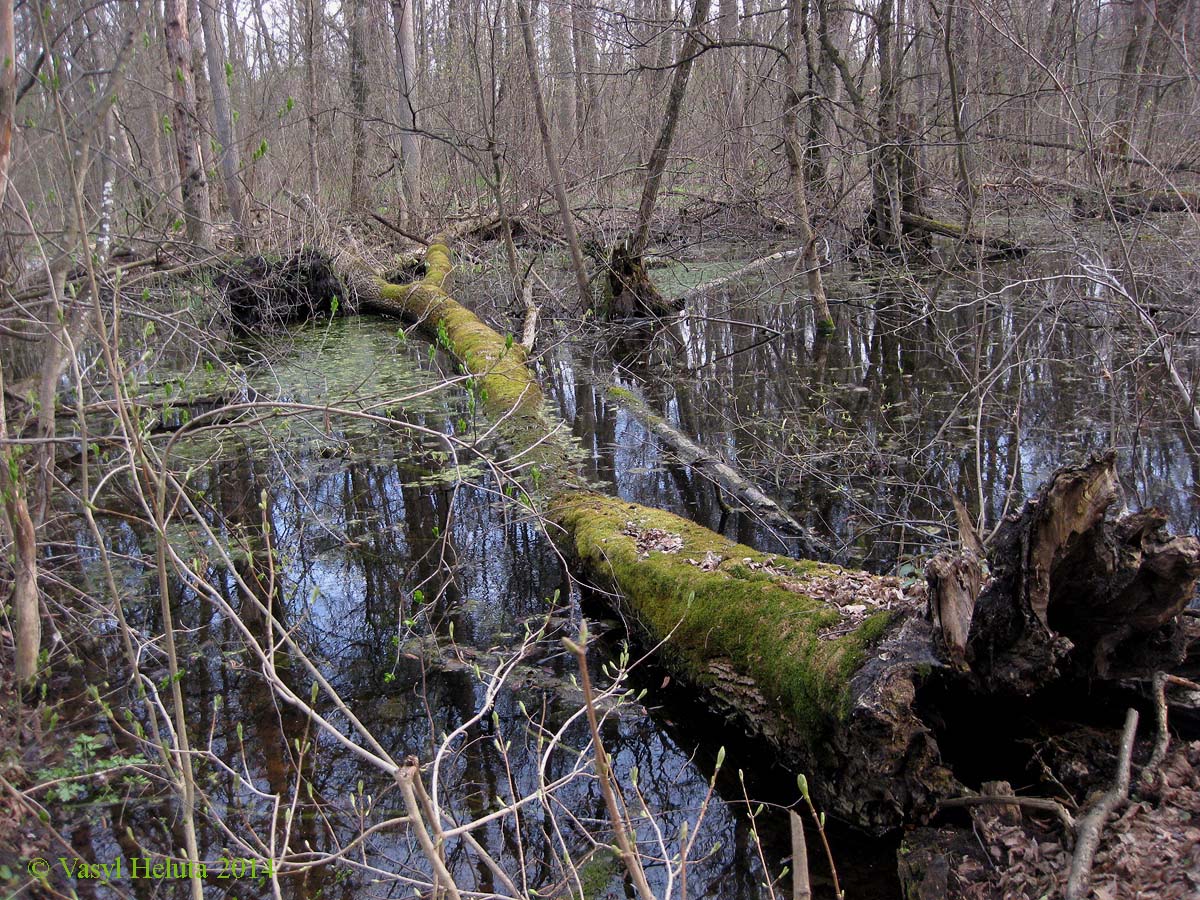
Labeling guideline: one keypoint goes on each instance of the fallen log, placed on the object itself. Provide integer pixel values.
(508, 392)
(822, 662)
(750, 268)
(1129, 204)
(720, 472)
(997, 247)
(828, 664)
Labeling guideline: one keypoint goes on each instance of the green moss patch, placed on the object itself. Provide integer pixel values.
(714, 599)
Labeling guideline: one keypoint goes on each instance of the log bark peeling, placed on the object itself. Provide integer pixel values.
(1075, 593)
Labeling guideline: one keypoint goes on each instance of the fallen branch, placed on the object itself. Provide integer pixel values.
(1087, 836)
(708, 463)
(1041, 804)
(749, 269)
(1127, 204)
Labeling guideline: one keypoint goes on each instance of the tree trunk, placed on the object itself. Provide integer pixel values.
(731, 88)
(230, 156)
(796, 167)
(194, 181)
(583, 39)
(203, 94)
(551, 154)
(8, 92)
(27, 623)
(356, 15)
(410, 143)
(885, 226)
(312, 42)
(562, 82)
(666, 135)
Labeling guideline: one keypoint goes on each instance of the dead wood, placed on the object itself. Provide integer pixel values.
(690, 453)
(1129, 204)
(1091, 825)
(1074, 591)
(953, 587)
(998, 247)
(262, 291)
(630, 293)
(750, 268)
(827, 664)
(1040, 804)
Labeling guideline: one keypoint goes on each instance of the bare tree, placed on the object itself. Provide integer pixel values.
(796, 167)
(186, 126)
(404, 31)
(550, 149)
(229, 154)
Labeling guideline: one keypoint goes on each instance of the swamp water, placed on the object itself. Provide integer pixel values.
(404, 573)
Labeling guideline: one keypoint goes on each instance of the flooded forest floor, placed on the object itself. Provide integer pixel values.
(342, 472)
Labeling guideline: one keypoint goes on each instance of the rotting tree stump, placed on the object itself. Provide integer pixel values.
(629, 292)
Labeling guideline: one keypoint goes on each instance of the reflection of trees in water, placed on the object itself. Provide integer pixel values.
(349, 544)
(928, 387)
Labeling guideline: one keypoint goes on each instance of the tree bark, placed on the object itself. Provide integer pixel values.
(796, 167)
(885, 177)
(27, 623)
(230, 155)
(356, 13)
(194, 181)
(666, 135)
(410, 143)
(551, 153)
(312, 41)
(8, 92)
(562, 89)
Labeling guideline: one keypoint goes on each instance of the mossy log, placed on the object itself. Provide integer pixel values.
(508, 391)
(1129, 204)
(828, 664)
(821, 661)
(918, 224)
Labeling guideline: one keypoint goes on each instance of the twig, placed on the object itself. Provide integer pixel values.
(408, 773)
(819, 819)
(633, 865)
(1092, 823)
(400, 231)
(801, 888)
(1041, 804)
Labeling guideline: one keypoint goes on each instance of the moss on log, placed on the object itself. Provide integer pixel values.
(508, 391)
(718, 600)
(827, 663)
(823, 662)
(996, 247)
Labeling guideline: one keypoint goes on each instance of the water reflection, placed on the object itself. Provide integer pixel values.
(932, 385)
(370, 548)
